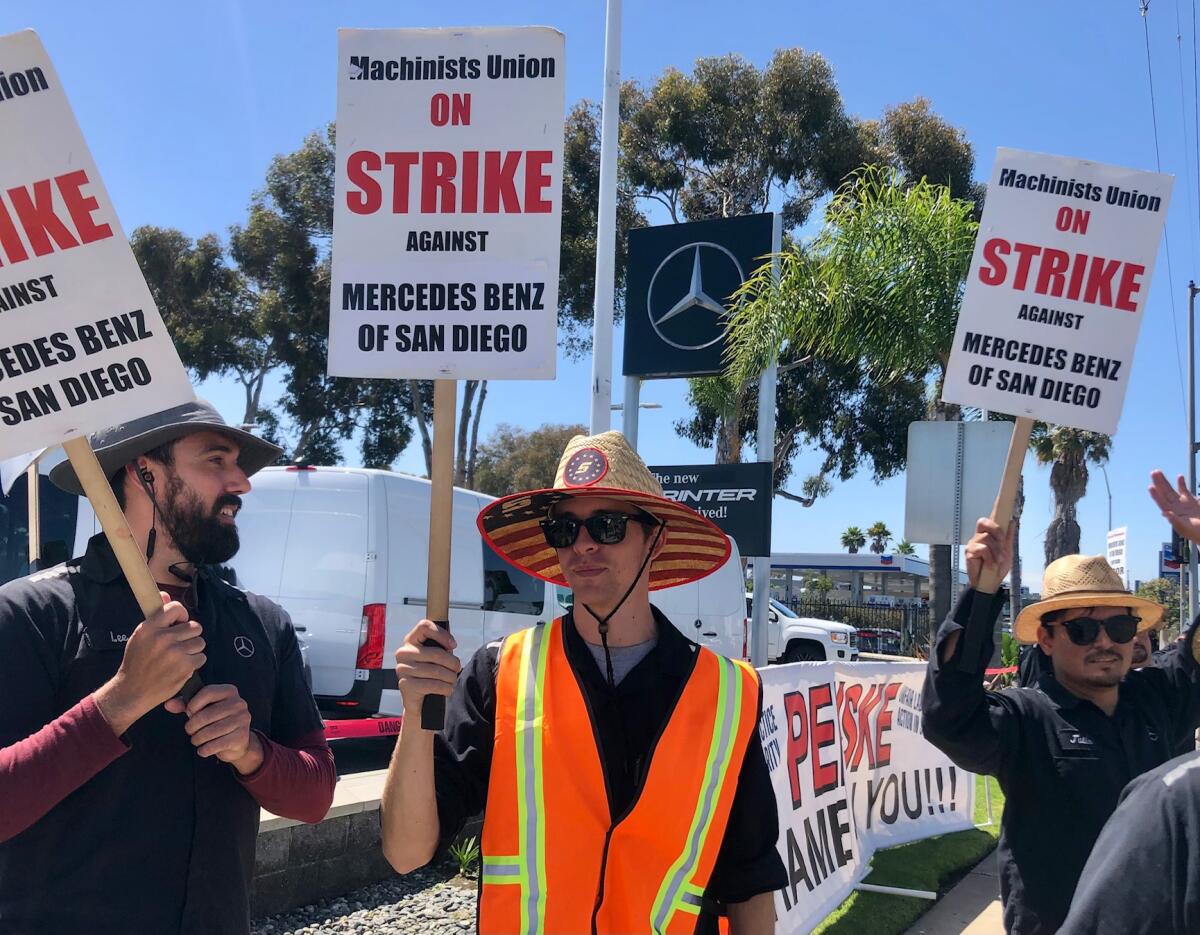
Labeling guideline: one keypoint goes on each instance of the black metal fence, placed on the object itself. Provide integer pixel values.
(901, 630)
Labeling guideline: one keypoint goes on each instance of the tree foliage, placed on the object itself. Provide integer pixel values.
(857, 423)
(880, 536)
(853, 539)
(1165, 592)
(879, 287)
(1068, 452)
(904, 547)
(730, 139)
(261, 307)
(513, 459)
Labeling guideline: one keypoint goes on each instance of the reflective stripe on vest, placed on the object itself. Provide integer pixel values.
(546, 796)
(673, 890)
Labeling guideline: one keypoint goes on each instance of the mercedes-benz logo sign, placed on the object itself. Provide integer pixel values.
(687, 293)
(244, 647)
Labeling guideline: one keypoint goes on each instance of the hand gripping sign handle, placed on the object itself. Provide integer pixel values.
(441, 514)
(120, 537)
(1002, 513)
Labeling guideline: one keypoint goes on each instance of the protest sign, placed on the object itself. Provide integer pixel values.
(1054, 298)
(82, 346)
(446, 226)
(1057, 289)
(851, 774)
(447, 203)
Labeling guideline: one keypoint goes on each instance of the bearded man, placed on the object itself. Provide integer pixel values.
(125, 807)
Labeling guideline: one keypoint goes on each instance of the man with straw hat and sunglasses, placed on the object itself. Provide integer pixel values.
(616, 762)
(1064, 748)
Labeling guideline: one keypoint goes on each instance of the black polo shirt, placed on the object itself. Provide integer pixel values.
(1143, 877)
(1061, 761)
(627, 722)
(161, 841)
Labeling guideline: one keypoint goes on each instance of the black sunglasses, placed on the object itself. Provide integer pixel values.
(604, 528)
(1084, 630)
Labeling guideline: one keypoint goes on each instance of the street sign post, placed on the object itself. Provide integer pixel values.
(446, 228)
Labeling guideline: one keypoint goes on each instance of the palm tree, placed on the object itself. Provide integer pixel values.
(880, 537)
(904, 547)
(1068, 452)
(881, 283)
(853, 540)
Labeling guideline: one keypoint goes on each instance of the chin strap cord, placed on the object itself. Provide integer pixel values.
(603, 621)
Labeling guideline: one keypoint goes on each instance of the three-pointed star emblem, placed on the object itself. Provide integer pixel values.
(696, 296)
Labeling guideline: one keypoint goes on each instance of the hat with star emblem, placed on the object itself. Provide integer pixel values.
(604, 466)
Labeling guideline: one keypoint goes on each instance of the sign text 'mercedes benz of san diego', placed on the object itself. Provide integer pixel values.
(448, 203)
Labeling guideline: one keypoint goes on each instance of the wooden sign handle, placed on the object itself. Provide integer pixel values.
(120, 536)
(1006, 498)
(441, 516)
(32, 479)
(1002, 514)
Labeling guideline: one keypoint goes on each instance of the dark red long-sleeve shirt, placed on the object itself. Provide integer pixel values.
(294, 781)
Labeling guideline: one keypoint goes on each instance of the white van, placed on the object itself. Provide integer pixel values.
(344, 551)
(711, 611)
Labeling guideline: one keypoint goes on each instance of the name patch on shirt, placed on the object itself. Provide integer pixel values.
(1075, 741)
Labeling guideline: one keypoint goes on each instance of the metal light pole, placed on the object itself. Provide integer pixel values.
(606, 226)
(629, 413)
(1108, 489)
(633, 402)
(1194, 562)
(765, 448)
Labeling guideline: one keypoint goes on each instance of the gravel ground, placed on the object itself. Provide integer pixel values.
(432, 901)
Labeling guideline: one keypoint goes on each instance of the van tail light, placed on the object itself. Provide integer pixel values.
(371, 637)
(746, 638)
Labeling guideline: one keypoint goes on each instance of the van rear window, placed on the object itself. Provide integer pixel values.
(507, 590)
(59, 511)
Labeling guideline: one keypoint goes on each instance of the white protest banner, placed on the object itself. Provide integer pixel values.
(1057, 289)
(447, 203)
(82, 346)
(902, 787)
(851, 774)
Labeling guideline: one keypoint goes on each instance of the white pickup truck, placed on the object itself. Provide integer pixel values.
(791, 638)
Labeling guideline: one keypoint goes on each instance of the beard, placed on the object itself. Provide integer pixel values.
(199, 534)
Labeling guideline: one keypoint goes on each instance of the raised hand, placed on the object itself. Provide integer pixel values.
(1181, 509)
(990, 547)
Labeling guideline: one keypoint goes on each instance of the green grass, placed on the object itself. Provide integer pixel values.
(932, 864)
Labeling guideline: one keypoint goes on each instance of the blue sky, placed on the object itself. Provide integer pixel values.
(184, 105)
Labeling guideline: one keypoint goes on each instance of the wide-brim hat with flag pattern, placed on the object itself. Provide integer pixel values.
(604, 466)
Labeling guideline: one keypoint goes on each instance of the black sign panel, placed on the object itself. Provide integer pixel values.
(737, 497)
(679, 281)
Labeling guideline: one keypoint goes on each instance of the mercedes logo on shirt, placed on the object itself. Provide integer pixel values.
(687, 295)
(244, 647)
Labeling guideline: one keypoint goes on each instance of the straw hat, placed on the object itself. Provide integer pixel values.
(603, 466)
(1083, 581)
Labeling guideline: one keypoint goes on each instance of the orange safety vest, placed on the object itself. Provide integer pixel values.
(554, 859)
